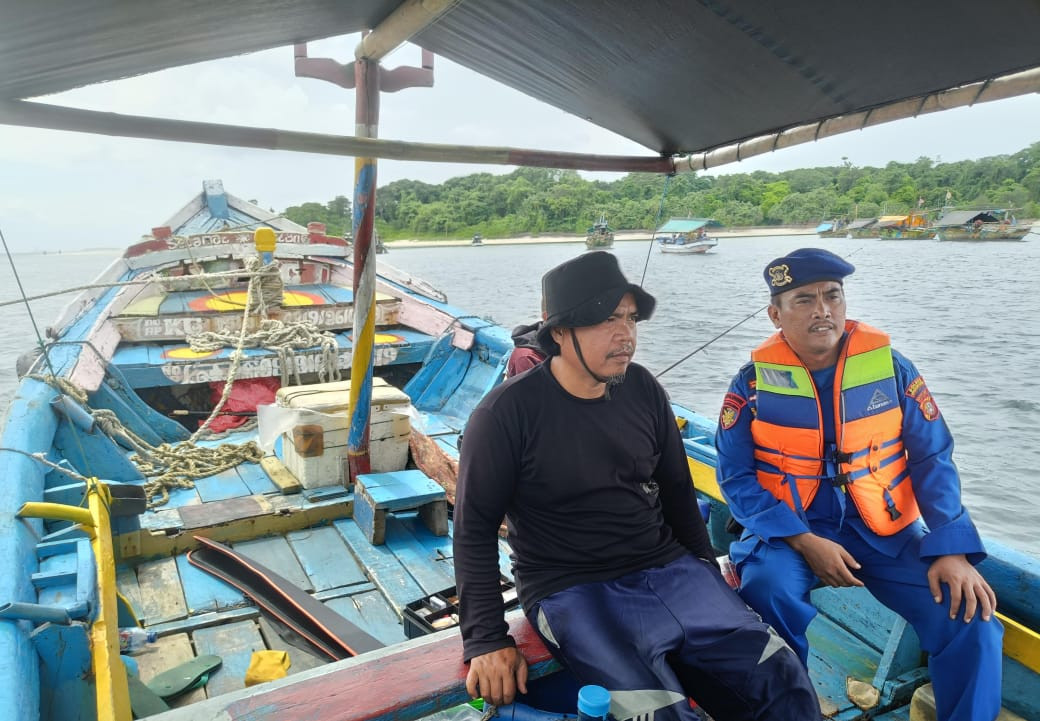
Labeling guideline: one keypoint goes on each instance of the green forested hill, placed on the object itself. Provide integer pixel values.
(532, 200)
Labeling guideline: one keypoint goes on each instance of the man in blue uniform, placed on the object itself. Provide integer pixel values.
(834, 457)
(582, 457)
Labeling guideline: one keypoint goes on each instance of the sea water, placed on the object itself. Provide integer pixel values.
(964, 313)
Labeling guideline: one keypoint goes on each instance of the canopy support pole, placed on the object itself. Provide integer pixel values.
(366, 84)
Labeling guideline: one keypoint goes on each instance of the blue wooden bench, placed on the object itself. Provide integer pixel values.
(413, 490)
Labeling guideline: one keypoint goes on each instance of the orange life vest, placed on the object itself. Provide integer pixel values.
(788, 429)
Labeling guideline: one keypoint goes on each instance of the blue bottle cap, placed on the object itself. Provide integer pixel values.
(594, 701)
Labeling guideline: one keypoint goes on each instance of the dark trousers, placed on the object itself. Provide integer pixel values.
(656, 637)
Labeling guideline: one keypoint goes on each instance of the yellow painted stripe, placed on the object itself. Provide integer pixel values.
(704, 479)
(1021, 643)
(113, 694)
(57, 512)
(146, 307)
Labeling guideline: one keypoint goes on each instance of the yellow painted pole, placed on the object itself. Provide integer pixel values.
(112, 692)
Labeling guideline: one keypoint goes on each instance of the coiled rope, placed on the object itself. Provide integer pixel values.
(164, 466)
(265, 291)
(169, 466)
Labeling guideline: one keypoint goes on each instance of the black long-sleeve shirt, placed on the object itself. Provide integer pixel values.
(591, 490)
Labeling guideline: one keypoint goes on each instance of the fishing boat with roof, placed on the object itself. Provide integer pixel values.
(862, 228)
(685, 236)
(910, 226)
(981, 225)
(836, 228)
(599, 236)
(317, 543)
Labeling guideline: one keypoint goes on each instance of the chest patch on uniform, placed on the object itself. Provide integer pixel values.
(731, 407)
(778, 378)
(878, 401)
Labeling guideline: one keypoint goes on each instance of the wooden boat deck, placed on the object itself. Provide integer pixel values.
(195, 613)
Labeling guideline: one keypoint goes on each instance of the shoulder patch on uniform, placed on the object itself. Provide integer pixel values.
(916, 387)
(926, 403)
(731, 407)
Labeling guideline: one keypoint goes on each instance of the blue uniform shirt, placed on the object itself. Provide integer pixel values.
(929, 446)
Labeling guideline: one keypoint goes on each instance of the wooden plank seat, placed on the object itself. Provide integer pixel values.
(377, 493)
(176, 315)
(147, 365)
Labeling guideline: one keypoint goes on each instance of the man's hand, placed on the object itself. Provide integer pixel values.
(966, 585)
(831, 563)
(497, 675)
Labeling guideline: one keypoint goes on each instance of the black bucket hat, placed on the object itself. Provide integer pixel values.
(584, 291)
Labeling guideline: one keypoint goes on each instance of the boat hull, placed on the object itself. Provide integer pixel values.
(1012, 233)
(694, 248)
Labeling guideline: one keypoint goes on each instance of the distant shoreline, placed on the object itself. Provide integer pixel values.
(621, 236)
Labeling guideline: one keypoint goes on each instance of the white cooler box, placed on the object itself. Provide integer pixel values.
(316, 450)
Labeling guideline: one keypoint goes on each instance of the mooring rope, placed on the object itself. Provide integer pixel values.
(164, 466)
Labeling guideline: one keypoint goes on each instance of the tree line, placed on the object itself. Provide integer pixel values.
(535, 200)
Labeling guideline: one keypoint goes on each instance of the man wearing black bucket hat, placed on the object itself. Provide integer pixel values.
(832, 452)
(582, 457)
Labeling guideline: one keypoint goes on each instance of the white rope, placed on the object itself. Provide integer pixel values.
(283, 338)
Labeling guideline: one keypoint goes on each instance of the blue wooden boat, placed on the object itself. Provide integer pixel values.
(349, 569)
(122, 348)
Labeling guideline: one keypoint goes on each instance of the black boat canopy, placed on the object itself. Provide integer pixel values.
(965, 217)
(677, 76)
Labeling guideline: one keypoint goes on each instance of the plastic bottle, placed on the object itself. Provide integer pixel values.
(593, 703)
(133, 639)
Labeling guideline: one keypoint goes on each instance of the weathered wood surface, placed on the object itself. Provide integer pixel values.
(161, 596)
(234, 643)
(432, 460)
(299, 658)
(167, 652)
(427, 675)
(275, 553)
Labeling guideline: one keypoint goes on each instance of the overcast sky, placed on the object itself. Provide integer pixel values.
(73, 190)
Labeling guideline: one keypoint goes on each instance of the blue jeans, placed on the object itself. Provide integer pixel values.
(964, 658)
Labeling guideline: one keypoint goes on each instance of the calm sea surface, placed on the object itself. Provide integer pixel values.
(966, 314)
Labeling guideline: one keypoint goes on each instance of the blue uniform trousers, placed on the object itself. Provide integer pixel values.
(964, 659)
(658, 636)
